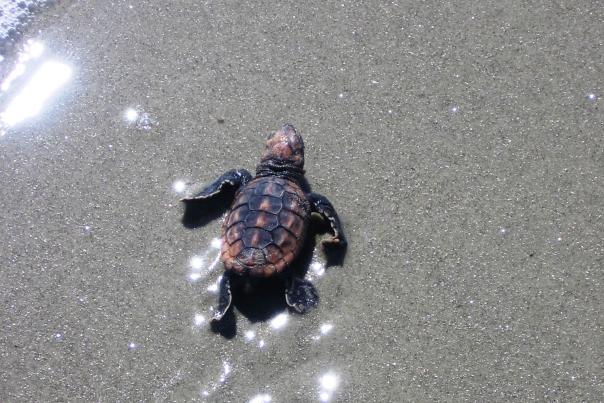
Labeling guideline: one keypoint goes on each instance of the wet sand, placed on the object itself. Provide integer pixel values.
(461, 145)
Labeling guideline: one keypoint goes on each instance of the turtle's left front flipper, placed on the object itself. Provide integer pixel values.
(322, 206)
(234, 178)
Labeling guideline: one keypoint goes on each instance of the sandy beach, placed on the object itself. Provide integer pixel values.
(460, 142)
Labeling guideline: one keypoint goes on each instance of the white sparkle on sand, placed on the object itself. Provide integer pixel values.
(196, 262)
(249, 335)
(317, 269)
(226, 370)
(131, 115)
(214, 287)
(49, 77)
(262, 398)
(201, 265)
(199, 319)
(326, 328)
(179, 186)
(138, 118)
(279, 321)
(328, 383)
(216, 243)
(32, 50)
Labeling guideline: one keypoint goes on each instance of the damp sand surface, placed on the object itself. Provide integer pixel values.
(461, 144)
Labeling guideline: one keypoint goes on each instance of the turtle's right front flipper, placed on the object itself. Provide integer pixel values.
(234, 178)
(322, 206)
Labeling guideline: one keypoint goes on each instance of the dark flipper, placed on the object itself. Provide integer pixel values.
(224, 297)
(301, 295)
(322, 206)
(234, 178)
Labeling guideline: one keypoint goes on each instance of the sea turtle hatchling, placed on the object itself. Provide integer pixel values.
(266, 225)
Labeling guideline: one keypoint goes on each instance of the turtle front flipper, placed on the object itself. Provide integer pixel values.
(225, 297)
(301, 295)
(234, 178)
(322, 206)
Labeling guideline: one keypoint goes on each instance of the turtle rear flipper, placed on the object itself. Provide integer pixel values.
(225, 298)
(301, 295)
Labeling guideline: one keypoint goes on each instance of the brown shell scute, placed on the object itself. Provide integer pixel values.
(235, 249)
(261, 219)
(290, 201)
(268, 204)
(251, 257)
(235, 232)
(256, 238)
(271, 188)
(284, 239)
(243, 198)
(237, 215)
(264, 231)
(273, 254)
(293, 222)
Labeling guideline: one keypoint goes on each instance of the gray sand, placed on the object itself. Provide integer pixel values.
(459, 143)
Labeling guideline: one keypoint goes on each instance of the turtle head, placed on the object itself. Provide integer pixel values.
(285, 146)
